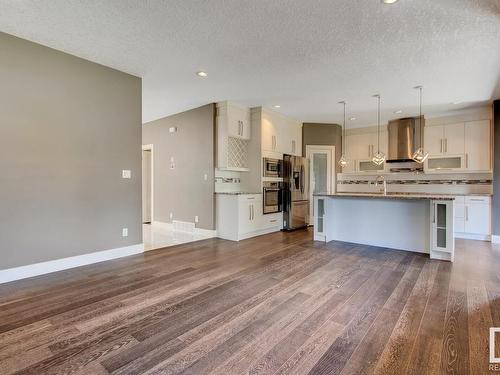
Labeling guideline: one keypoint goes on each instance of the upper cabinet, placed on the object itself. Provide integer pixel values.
(235, 119)
(444, 139)
(460, 147)
(478, 145)
(281, 134)
(362, 147)
(233, 136)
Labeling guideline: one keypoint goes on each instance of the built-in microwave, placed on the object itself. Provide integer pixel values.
(272, 167)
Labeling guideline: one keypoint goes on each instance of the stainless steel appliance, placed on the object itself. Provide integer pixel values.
(272, 167)
(272, 197)
(406, 135)
(296, 192)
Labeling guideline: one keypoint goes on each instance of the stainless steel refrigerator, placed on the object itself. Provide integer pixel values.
(296, 192)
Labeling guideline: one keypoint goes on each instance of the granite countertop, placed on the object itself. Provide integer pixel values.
(238, 192)
(391, 195)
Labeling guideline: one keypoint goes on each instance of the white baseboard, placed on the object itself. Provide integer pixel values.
(478, 237)
(42, 268)
(495, 239)
(203, 232)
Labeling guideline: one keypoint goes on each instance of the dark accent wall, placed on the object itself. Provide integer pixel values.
(496, 169)
(68, 127)
(183, 190)
(322, 134)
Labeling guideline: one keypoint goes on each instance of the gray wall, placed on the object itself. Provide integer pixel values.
(67, 129)
(496, 169)
(322, 134)
(183, 190)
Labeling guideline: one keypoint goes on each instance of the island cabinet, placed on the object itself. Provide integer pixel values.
(411, 222)
(240, 216)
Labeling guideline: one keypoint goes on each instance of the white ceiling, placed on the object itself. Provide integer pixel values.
(302, 55)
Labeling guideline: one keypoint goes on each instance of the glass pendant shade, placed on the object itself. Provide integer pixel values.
(343, 161)
(378, 158)
(420, 155)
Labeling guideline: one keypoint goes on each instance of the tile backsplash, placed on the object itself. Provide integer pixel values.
(227, 181)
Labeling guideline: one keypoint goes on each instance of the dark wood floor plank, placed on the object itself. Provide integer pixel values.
(275, 304)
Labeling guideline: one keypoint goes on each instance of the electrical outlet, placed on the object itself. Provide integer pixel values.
(172, 163)
(171, 215)
(124, 232)
(126, 173)
(205, 177)
(196, 219)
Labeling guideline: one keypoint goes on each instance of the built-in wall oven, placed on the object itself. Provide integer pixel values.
(272, 197)
(272, 167)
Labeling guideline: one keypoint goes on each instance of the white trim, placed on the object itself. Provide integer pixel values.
(478, 237)
(42, 268)
(495, 239)
(208, 233)
(151, 148)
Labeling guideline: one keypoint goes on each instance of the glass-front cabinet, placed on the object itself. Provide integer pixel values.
(442, 243)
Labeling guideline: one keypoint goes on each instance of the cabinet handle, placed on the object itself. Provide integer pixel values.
(293, 146)
(273, 221)
(249, 212)
(253, 213)
(441, 147)
(434, 213)
(466, 160)
(446, 145)
(466, 213)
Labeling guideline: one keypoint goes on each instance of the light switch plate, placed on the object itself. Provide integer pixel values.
(126, 173)
(124, 232)
(196, 219)
(172, 129)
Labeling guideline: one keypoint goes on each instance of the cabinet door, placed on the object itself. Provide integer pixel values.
(245, 124)
(433, 139)
(442, 239)
(384, 142)
(478, 145)
(477, 219)
(454, 139)
(268, 134)
(233, 121)
(283, 136)
(359, 146)
(296, 140)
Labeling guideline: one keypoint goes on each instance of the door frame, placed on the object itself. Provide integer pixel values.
(150, 147)
(333, 174)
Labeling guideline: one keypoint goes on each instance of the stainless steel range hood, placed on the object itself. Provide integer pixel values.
(406, 135)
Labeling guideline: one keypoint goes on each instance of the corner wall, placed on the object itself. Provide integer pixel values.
(67, 129)
(183, 189)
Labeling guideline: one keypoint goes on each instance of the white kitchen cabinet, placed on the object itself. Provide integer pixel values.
(473, 217)
(478, 145)
(240, 216)
(444, 139)
(281, 134)
(442, 244)
(235, 118)
(233, 136)
(361, 148)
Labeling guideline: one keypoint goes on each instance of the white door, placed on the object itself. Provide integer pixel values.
(322, 172)
(477, 219)
(146, 185)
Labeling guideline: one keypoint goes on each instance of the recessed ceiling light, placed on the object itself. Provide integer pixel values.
(276, 106)
(457, 102)
(352, 118)
(389, 1)
(398, 112)
(201, 73)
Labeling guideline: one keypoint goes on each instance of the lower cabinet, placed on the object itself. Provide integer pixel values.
(442, 242)
(241, 216)
(473, 217)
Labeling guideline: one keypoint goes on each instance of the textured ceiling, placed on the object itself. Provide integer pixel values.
(302, 55)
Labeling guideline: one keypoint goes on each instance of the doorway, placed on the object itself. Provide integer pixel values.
(322, 177)
(147, 184)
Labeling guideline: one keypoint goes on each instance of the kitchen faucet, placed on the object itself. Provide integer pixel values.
(381, 179)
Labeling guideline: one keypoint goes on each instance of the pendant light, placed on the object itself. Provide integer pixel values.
(420, 155)
(379, 157)
(343, 161)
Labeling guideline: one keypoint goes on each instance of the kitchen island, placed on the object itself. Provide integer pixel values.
(412, 222)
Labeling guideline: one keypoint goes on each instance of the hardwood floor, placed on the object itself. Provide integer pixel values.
(275, 304)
